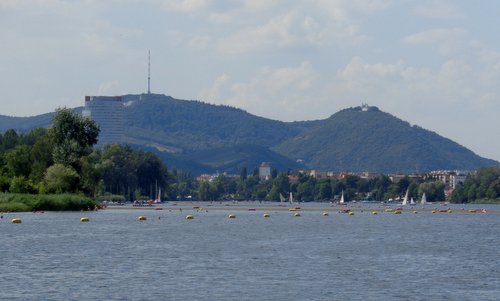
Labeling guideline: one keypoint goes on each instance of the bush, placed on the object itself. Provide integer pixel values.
(52, 202)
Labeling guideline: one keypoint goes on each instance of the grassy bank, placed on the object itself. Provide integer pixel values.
(14, 202)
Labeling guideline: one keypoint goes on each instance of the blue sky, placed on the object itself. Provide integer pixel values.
(432, 63)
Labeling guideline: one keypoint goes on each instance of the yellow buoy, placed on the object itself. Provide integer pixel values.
(296, 214)
(189, 216)
(266, 215)
(141, 218)
(415, 212)
(389, 210)
(351, 213)
(16, 221)
(472, 210)
(84, 219)
(398, 212)
(232, 216)
(450, 211)
(374, 212)
(433, 211)
(325, 213)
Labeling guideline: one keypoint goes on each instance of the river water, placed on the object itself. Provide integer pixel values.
(425, 256)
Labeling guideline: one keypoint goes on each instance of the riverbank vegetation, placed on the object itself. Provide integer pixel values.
(60, 169)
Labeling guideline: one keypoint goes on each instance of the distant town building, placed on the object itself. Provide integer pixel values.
(265, 171)
(107, 112)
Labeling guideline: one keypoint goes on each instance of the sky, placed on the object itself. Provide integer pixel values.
(433, 63)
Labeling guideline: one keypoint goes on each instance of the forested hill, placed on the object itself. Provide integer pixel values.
(193, 125)
(358, 140)
(201, 137)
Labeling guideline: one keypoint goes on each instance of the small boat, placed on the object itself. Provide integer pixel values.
(405, 199)
(342, 200)
(423, 201)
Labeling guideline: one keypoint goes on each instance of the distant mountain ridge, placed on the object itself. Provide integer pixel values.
(201, 137)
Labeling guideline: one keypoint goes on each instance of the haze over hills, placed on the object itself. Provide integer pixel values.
(201, 137)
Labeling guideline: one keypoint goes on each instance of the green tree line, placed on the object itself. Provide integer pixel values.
(62, 160)
(483, 185)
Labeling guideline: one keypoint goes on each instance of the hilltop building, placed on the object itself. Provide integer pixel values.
(107, 112)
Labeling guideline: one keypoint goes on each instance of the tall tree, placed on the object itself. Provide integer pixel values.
(74, 135)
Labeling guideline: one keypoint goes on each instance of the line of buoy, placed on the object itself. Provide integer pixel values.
(16, 221)
(232, 216)
(189, 216)
(374, 212)
(325, 213)
(141, 218)
(266, 215)
(84, 219)
(296, 214)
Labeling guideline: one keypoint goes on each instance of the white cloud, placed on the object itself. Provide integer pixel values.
(438, 9)
(276, 33)
(109, 88)
(447, 40)
(184, 5)
(280, 93)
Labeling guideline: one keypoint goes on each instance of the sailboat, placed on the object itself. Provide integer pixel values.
(158, 197)
(405, 200)
(423, 201)
(412, 201)
(291, 198)
(282, 198)
(342, 201)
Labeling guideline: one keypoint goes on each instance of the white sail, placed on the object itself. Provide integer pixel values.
(158, 197)
(282, 198)
(405, 200)
(423, 201)
(412, 202)
(342, 201)
(291, 198)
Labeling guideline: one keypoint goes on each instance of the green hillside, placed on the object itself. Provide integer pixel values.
(200, 137)
(193, 125)
(372, 140)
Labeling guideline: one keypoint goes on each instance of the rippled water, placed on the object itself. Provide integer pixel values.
(425, 256)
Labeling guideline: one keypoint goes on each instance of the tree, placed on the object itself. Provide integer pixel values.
(243, 173)
(73, 135)
(19, 161)
(60, 178)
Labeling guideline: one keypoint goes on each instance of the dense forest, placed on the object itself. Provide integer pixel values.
(197, 136)
(61, 161)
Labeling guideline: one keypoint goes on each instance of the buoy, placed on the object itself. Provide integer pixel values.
(434, 211)
(84, 219)
(141, 218)
(351, 213)
(266, 215)
(296, 214)
(450, 211)
(16, 221)
(415, 212)
(189, 216)
(398, 212)
(374, 212)
(472, 210)
(389, 210)
(232, 216)
(325, 213)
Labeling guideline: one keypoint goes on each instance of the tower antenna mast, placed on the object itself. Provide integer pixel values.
(149, 71)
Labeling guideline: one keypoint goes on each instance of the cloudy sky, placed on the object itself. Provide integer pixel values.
(433, 63)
